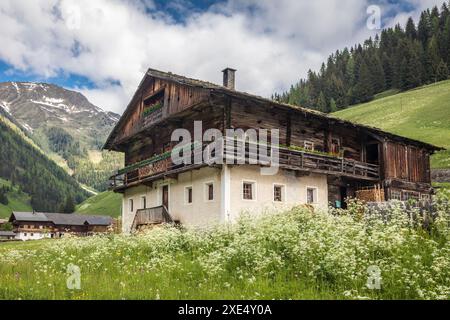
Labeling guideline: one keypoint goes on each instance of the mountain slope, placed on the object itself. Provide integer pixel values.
(422, 114)
(28, 171)
(65, 125)
(17, 200)
(107, 203)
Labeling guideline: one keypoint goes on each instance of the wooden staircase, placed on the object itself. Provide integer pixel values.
(151, 216)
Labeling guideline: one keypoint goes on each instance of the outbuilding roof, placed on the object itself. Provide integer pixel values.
(7, 234)
(61, 218)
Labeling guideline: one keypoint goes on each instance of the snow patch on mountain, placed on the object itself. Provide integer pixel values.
(5, 106)
(27, 127)
(16, 86)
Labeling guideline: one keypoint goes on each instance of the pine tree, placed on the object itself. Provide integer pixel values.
(322, 103)
(435, 19)
(350, 72)
(377, 73)
(68, 206)
(410, 29)
(442, 71)
(388, 70)
(446, 41)
(333, 107)
(434, 58)
(3, 197)
(424, 28)
(363, 91)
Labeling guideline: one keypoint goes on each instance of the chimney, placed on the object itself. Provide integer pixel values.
(229, 78)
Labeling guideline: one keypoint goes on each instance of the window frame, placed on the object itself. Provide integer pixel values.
(143, 202)
(186, 195)
(254, 190)
(315, 195)
(131, 205)
(206, 193)
(283, 192)
(308, 145)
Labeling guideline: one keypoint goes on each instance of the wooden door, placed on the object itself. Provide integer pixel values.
(165, 197)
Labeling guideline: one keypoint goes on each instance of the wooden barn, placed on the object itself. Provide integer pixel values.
(40, 225)
(322, 160)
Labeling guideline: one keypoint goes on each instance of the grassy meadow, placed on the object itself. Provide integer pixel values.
(17, 200)
(298, 254)
(422, 114)
(106, 203)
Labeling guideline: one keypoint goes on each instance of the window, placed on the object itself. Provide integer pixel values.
(188, 195)
(311, 195)
(424, 196)
(278, 193)
(396, 195)
(209, 189)
(131, 205)
(25, 234)
(410, 195)
(144, 202)
(32, 234)
(248, 190)
(335, 145)
(309, 145)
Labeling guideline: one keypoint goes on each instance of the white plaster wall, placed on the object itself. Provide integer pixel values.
(200, 212)
(28, 236)
(294, 190)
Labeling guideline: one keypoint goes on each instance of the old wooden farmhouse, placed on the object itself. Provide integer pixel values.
(323, 160)
(39, 225)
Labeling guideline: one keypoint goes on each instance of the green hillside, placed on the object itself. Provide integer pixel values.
(422, 114)
(34, 178)
(17, 200)
(107, 203)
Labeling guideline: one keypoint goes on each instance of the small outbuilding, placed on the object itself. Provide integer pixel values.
(7, 235)
(40, 225)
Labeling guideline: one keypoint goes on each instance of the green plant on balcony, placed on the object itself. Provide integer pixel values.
(152, 108)
(156, 158)
(302, 149)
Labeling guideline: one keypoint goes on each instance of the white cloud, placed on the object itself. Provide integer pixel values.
(271, 43)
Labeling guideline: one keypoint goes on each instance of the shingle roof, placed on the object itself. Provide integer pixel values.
(239, 94)
(61, 218)
(7, 234)
(29, 216)
(99, 220)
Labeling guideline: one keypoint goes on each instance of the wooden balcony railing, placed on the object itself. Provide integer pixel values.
(311, 161)
(151, 216)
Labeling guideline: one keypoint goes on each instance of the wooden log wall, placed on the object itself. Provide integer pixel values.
(158, 140)
(177, 98)
(296, 128)
(247, 116)
(407, 163)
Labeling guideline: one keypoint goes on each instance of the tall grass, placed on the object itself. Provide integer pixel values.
(297, 254)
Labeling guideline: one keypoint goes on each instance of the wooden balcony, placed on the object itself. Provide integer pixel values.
(151, 216)
(162, 166)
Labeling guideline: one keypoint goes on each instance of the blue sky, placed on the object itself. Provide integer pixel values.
(103, 47)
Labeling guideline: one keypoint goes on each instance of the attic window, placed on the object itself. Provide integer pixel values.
(153, 103)
(309, 145)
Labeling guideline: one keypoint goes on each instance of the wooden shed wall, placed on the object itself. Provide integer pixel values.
(296, 128)
(156, 140)
(406, 163)
(177, 98)
(247, 117)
